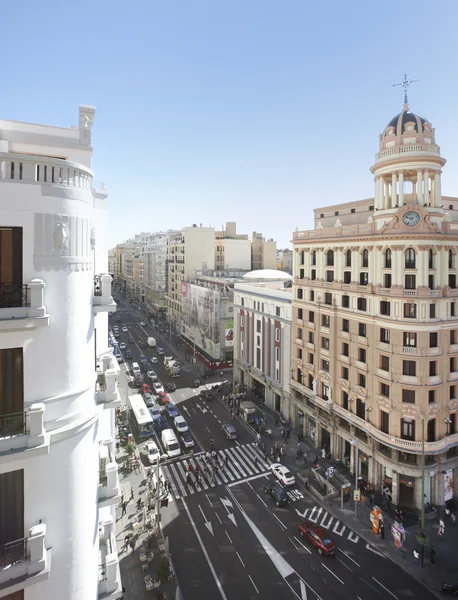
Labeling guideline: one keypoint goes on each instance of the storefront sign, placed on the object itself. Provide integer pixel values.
(229, 333)
(448, 485)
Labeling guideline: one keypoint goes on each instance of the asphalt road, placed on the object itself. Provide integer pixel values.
(230, 541)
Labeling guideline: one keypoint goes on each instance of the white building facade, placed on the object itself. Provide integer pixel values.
(59, 483)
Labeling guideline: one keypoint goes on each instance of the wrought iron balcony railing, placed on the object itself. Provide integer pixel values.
(13, 552)
(13, 296)
(13, 424)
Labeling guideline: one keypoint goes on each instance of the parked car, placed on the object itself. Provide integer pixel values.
(131, 340)
(122, 346)
(142, 324)
(180, 424)
(277, 492)
(195, 383)
(160, 350)
(170, 387)
(152, 376)
(207, 395)
(129, 354)
(118, 319)
(318, 537)
(138, 379)
(152, 451)
(154, 360)
(283, 474)
(124, 329)
(172, 410)
(229, 431)
(187, 440)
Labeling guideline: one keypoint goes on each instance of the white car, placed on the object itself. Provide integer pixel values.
(124, 329)
(152, 452)
(122, 346)
(142, 324)
(152, 376)
(180, 424)
(158, 387)
(283, 474)
(154, 360)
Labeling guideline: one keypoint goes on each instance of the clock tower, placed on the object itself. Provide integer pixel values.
(407, 173)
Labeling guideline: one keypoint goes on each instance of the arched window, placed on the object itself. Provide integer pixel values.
(365, 259)
(388, 259)
(348, 258)
(451, 259)
(430, 259)
(410, 258)
(314, 258)
(330, 258)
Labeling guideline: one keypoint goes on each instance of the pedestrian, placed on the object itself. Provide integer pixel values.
(126, 540)
(131, 492)
(276, 422)
(211, 444)
(124, 508)
(432, 555)
(382, 529)
(416, 556)
(221, 374)
(189, 468)
(323, 452)
(256, 461)
(122, 498)
(132, 544)
(441, 526)
(227, 460)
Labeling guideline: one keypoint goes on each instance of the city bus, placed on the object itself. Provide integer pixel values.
(141, 417)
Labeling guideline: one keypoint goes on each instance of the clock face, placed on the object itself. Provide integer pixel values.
(411, 218)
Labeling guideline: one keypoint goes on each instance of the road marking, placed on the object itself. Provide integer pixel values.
(327, 569)
(305, 547)
(209, 501)
(346, 566)
(303, 590)
(329, 523)
(369, 547)
(315, 520)
(310, 517)
(281, 523)
(226, 503)
(183, 395)
(208, 429)
(260, 499)
(247, 479)
(208, 525)
(229, 537)
(336, 527)
(386, 589)
(220, 522)
(240, 559)
(352, 537)
(205, 553)
(293, 543)
(253, 584)
(349, 557)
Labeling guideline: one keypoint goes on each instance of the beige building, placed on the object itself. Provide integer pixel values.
(232, 250)
(263, 253)
(375, 323)
(285, 261)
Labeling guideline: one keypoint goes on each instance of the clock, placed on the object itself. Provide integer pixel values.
(411, 218)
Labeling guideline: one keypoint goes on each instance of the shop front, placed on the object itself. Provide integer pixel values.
(406, 491)
(312, 429)
(364, 465)
(259, 389)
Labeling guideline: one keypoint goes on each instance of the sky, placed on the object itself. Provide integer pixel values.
(254, 111)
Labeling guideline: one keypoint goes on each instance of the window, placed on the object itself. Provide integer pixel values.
(387, 280)
(325, 391)
(430, 259)
(352, 211)
(345, 325)
(330, 258)
(433, 339)
(11, 382)
(348, 258)
(431, 282)
(328, 298)
(325, 365)
(410, 310)
(311, 337)
(384, 422)
(432, 311)
(384, 362)
(407, 429)
(345, 373)
(385, 390)
(314, 258)
(361, 380)
(299, 353)
(300, 313)
(345, 349)
(11, 266)
(321, 215)
(311, 316)
(431, 396)
(362, 355)
(325, 320)
(410, 282)
(452, 364)
(243, 301)
(300, 294)
(258, 326)
(336, 214)
(329, 276)
(371, 207)
(384, 335)
(432, 368)
(277, 334)
(409, 367)
(453, 336)
(325, 343)
(298, 334)
(451, 259)
(277, 354)
(258, 358)
(362, 304)
(452, 281)
(452, 392)
(360, 408)
(362, 329)
(410, 258)
(242, 319)
(408, 396)
(452, 309)
(345, 301)
(313, 275)
(311, 358)
(431, 431)
(385, 307)
(277, 311)
(388, 259)
(409, 339)
(363, 278)
(345, 400)
(365, 259)
(347, 277)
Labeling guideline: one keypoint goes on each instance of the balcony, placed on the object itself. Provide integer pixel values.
(384, 347)
(106, 387)
(109, 490)
(411, 350)
(24, 562)
(109, 574)
(362, 366)
(23, 432)
(453, 376)
(102, 299)
(22, 306)
(409, 379)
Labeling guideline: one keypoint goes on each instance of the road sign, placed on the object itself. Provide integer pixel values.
(356, 495)
(330, 472)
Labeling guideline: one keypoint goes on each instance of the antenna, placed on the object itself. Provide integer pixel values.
(405, 83)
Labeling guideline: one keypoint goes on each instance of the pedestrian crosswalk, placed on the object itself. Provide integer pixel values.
(238, 462)
(321, 517)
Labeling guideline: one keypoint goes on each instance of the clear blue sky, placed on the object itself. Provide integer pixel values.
(253, 111)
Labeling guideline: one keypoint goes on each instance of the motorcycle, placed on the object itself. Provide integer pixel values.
(449, 588)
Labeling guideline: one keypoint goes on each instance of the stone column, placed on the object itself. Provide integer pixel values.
(426, 188)
(387, 195)
(421, 270)
(437, 190)
(419, 187)
(379, 193)
(394, 190)
(401, 188)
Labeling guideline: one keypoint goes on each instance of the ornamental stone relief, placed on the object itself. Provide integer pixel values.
(63, 242)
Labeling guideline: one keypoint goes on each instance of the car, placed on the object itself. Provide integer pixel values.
(318, 537)
(138, 379)
(172, 410)
(124, 329)
(142, 358)
(161, 423)
(170, 387)
(207, 395)
(131, 340)
(146, 389)
(180, 424)
(157, 387)
(154, 360)
(277, 492)
(207, 374)
(151, 376)
(152, 451)
(160, 350)
(142, 344)
(122, 346)
(163, 398)
(118, 319)
(283, 474)
(195, 383)
(142, 324)
(155, 412)
(115, 328)
(187, 440)
(129, 354)
(229, 431)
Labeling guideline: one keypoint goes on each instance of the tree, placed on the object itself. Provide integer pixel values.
(130, 449)
(163, 569)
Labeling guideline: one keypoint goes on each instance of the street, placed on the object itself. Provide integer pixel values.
(227, 537)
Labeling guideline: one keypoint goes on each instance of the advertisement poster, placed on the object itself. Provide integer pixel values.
(200, 318)
(448, 485)
(229, 333)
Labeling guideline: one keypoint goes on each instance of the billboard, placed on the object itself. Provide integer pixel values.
(200, 318)
(229, 333)
(448, 485)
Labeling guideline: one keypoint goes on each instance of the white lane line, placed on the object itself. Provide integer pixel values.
(261, 499)
(205, 553)
(253, 584)
(249, 484)
(332, 573)
(349, 557)
(247, 479)
(386, 589)
(208, 429)
(183, 395)
(346, 566)
(303, 590)
(228, 537)
(305, 547)
(281, 523)
(293, 543)
(217, 516)
(209, 501)
(240, 558)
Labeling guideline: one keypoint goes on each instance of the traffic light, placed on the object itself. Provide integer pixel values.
(165, 502)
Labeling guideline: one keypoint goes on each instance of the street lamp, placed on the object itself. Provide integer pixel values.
(355, 443)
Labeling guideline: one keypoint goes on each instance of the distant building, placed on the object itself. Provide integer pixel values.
(232, 250)
(285, 261)
(263, 252)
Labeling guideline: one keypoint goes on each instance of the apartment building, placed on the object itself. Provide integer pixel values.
(155, 263)
(59, 482)
(232, 250)
(375, 323)
(112, 261)
(262, 339)
(263, 252)
(285, 260)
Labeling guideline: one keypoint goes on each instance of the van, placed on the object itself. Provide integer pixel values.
(135, 368)
(170, 443)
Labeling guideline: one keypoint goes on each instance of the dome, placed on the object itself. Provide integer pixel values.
(406, 116)
(271, 274)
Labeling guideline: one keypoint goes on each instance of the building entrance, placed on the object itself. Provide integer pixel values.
(277, 402)
(406, 491)
(325, 440)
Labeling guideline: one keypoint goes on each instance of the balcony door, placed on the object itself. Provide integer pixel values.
(11, 507)
(11, 384)
(11, 293)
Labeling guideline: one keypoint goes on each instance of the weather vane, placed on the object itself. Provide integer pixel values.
(406, 83)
